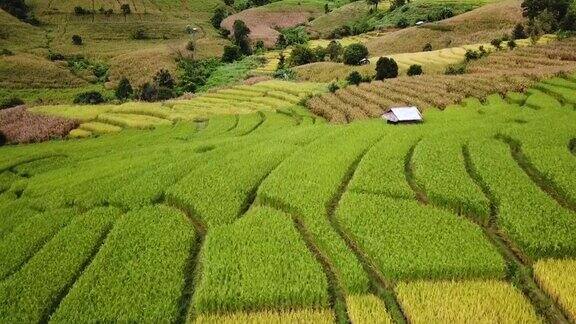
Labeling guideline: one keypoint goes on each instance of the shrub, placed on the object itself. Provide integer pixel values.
(402, 23)
(285, 74)
(414, 69)
(56, 57)
(148, 92)
(301, 54)
(512, 44)
(281, 42)
(319, 54)
(231, 53)
(2, 139)
(259, 47)
(164, 93)
(11, 102)
(139, 34)
(241, 32)
(427, 47)
(195, 73)
(354, 78)
(125, 9)
(496, 43)
(191, 46)
(76, 40)
(164, 79)
(89, 97)
(6, 52)
(386, 68)
(444, 13)
(518, 32)
(455, 69)
(229, 2)
(218, 16)
(295, 35)
(124, 90)
(79, 11)
(354, 54)
(334, 50)
(333, 87)
(474, 55)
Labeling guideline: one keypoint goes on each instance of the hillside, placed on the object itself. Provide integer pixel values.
(156, 169)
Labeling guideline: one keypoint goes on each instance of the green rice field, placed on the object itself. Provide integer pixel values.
(240, 206)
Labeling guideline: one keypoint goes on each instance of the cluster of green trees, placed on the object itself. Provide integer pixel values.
(20, 10)
(547, 16)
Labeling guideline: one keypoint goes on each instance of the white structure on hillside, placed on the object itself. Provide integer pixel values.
(403, 115)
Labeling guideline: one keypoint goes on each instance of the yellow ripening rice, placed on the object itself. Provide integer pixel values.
(558, 278)
(367, 309)
(464, 302)
(270, 317)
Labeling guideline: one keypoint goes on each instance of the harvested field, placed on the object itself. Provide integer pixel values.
(477, 26)
(500, 72)
(263, 24)
(21, 126)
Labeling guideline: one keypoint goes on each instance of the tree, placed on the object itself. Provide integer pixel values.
(241, 32)
(386, 68)
(76, 40)
(259, 46)
(512, 44)
(301, 54)
(124, 90)
(218, 16)
(125, 10)
(148, 92)
(18, 9)
(333, 87)
(354, 54)
(2, 139)
(548, 14)
(497, 43)
(281, 42)
(334, 50)
(354, 78)
(164, 79)
(326, 8)
(229, 2)
(414, 69)
(231, 53)
(518, 32)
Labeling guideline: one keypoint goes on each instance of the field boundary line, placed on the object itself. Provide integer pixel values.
(520, 272)
(544, 183)
(236, 120)
(255, 127)
(66, 289)
(381, 286)
(193, 268)
(335, 289)
(419, 193)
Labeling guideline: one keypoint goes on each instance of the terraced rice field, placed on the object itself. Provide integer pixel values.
(432, 62)
(275, 216)
(267, 96)
(502, 72)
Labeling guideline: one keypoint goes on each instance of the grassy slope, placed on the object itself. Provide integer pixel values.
(480, 25)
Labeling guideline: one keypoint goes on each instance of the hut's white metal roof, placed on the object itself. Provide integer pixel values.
(407, 113)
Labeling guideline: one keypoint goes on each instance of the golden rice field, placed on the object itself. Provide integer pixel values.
(501, 72)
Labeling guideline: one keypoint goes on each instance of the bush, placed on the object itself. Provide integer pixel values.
(124, 90)
(519, 32)
(386, 68)
(195, 73)
(11, 102)
(402, 23)
(354, 54)
(455, 69)
(241, 32)
(231, 54)
(414, 69)
(259, 47)
(427, 47)
(474, 55)
(56, 57)
(295, 35)
(139, 34)
(354, 78)
(163, 79)
(2, 139)
(218, 16)
(497, 43)
(319, 54)
(512, 44)
(191, 46)
(76, 40)
(229, 2)
(89, 98)
(6, 52)
(79, 11)
(285, 74)
(333, 87)
(334, 50)
(301, 54)
(148, 92)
